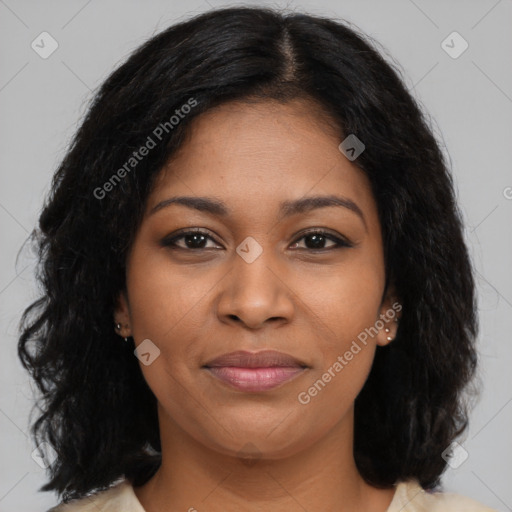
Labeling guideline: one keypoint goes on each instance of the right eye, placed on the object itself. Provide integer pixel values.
(194, 240)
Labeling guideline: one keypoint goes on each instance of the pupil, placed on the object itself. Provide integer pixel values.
(318, 241)
(197, 242)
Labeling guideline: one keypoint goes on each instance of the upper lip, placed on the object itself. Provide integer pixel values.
(262, 359)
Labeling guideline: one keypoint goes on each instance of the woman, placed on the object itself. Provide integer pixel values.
(256, 290)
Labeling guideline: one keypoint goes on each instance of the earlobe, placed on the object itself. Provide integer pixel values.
(389, 329)
(122, 319)
(389, 318)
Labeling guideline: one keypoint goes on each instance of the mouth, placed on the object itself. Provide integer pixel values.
(255, 372)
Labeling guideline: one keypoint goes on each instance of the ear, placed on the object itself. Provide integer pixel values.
(122, 316)
(389, 317)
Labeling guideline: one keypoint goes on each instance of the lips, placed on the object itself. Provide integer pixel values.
(255, 372)
(263, 359)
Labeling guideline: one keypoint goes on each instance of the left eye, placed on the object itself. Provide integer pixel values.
(317, 238)
(196, 240)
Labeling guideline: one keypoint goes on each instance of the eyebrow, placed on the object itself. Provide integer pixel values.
(286, 209)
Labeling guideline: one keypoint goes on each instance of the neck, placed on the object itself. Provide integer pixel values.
(323, 476)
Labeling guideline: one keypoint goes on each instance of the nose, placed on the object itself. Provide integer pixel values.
(255, 293)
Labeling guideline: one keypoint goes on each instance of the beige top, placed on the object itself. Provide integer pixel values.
(409, 497)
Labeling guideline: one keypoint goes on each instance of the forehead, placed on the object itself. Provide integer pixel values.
(259, 154)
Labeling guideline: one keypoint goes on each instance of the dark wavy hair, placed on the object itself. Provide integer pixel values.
(95, 408)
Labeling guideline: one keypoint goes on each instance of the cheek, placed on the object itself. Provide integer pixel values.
(164, 297)
(331, 392)
(345, 307)
(344, 299)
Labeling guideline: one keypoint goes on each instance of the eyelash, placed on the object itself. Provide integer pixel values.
(340, 243)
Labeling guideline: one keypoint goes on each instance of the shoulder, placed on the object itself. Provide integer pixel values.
(118, 498)
(410, 497)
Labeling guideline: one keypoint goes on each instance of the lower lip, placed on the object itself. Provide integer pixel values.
(255, 379)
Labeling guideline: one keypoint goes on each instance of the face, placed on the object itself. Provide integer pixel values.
(266, 269)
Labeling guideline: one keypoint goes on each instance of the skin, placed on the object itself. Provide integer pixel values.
(197, 304)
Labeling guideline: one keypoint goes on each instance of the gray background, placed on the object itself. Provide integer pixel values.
(469, 99)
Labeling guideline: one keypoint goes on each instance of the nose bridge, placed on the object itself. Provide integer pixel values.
(252, 270)
(254, 291)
